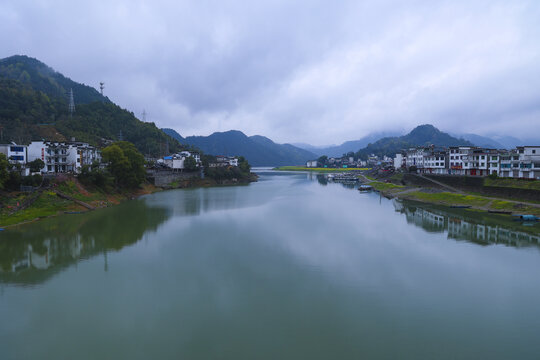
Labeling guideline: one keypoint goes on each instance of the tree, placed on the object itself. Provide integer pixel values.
(244, 165)
(4, 170)
(323, 160)
(190, 163)
(125, 164)
(36, 165)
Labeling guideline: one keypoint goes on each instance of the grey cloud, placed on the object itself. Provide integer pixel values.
(296, 71)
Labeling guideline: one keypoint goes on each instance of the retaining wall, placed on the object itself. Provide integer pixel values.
(475, 184)
(164, 178)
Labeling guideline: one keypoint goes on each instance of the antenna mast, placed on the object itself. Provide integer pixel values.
(144, 115)
(71, 107)
(101, 87)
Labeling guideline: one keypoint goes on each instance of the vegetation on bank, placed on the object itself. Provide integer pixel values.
(303, 168)
(512, 183)
(476, 202)
(377, 185)
(240, 172)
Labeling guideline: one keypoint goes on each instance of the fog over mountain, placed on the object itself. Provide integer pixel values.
(315, 72)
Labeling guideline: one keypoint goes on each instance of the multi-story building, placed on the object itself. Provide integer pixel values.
(435, 163)
(415, 157)
(529, 162)
(62, 157)
(523, 162)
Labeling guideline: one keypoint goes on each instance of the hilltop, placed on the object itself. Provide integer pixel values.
(422, 135)
(34, 106)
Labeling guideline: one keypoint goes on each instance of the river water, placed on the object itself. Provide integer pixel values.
(290, 267)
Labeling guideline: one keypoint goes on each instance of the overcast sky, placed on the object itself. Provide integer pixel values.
(313, 71)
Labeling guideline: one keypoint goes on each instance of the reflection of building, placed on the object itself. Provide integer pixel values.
(461, 228)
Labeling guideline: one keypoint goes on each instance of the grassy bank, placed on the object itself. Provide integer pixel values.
(47, 203)
(476, 202)
(513, 183)
(303, 168)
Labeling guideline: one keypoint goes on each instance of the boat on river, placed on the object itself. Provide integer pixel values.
(527, 218)
(365, 188)
(343, 177)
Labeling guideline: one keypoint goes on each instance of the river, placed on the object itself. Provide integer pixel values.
(290, 267)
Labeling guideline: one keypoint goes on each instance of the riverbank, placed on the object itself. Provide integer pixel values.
(302, 168)
(471, 201)
(68, 196)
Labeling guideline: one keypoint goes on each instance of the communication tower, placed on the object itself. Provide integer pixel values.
(101, 87)
(71, 107)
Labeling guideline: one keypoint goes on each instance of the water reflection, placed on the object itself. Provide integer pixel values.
(460, 225)
(32, 253)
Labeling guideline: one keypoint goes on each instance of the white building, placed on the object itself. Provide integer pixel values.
(435, 163)
(174, 162)
(62, 157)
(311, 164)
(529, 162)
(194, 155)
(399, 161)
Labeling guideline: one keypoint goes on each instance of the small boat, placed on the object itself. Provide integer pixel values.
(1, 229)
(500, 212)
(460, 206)
(527, 218)
(365, 188)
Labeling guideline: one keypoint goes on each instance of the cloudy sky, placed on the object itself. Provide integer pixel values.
(313, 71)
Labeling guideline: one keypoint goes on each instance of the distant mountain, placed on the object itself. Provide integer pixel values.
(348, 146)
(419, 136)
(34, 106)
(258, 150)
(482, 141)
(175, 135)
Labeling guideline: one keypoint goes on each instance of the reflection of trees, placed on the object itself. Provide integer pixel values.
(321, 179)
(34, 252)
(461, 226)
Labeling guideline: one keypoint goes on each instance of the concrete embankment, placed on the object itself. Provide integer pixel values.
(423, 189)
(468, 184)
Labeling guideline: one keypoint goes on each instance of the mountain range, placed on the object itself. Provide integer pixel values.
(258, 150)
(495, 142)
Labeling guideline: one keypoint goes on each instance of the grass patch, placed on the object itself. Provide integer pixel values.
(377, 185)
(513, 183)
(447, 198)
(46, 205)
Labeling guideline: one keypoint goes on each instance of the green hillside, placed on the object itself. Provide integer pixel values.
(34, 106)
(422, 135)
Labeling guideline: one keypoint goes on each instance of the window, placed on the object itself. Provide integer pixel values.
(17, 157)
(16, 149)
(493, 158)
(534, 151)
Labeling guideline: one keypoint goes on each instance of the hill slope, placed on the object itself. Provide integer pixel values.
(258, 150)
(34, 106)
(419, 136)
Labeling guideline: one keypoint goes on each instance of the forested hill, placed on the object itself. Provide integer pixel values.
(41, 77)
(419, 136)
(258, 150)
(34, 106)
